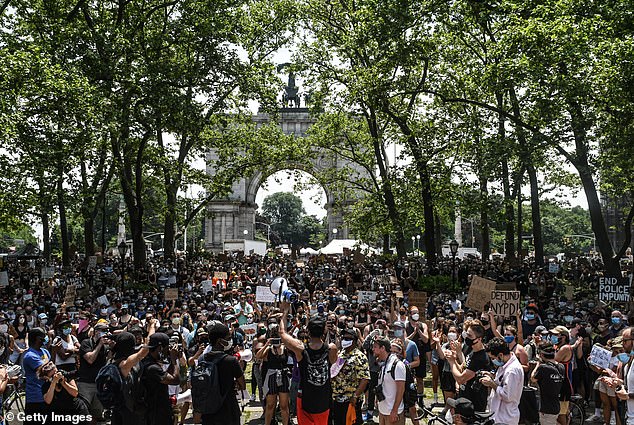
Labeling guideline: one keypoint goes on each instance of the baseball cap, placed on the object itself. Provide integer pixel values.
(541, 330)
(398, 324)
(463, 407)
(558, 330)
(217, 330)
(158, 339)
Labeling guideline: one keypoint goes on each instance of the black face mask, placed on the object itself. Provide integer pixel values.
(469, 342)
(484, 322)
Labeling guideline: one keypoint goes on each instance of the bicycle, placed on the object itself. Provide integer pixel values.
(576, 411)
(14, 399)
(424, 412)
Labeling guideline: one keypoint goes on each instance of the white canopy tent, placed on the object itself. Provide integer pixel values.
(336, 246)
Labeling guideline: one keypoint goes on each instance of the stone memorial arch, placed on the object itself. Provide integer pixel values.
(228, 218)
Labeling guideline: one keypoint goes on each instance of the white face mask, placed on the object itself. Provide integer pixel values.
(345, 343)
(452, 336)
(4, 328)
(176, 321)
(227, 344)
(415, 317)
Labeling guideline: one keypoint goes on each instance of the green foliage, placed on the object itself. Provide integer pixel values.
(287, 217)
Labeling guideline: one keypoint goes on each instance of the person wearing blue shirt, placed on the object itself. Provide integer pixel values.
(35, 357)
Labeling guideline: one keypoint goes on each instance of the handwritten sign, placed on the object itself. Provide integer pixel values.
(71, 293)
(300, 264)
(171, 294)
(600, 357)
(4, 279)
(264, 295)
(417, 298)
(367, 296)
(207, 286)
(614, 289)
(220, 275)
(510, 286)
(103, 300)
(92, 262)
(553, 268)
(505, 303)
(480, 293)
(398, 294)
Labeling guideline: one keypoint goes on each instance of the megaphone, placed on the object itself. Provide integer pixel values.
(245, 355)
(279, 287)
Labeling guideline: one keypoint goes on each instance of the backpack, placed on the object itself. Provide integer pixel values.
(410, 396)
(135, 391)
(206, 395)
(315, 385)
(109, 386)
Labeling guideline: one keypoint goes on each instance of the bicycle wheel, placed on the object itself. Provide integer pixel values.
(577, 415)
(16, 403)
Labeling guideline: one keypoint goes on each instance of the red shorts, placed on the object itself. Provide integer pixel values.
(304, 418)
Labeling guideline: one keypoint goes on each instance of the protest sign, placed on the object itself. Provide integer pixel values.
(553, 268)
(171, 294)
(398, 294)
(505, 303)
(207, 286)
(417, 298)
(47, 272)
(367, 296)
(103, 300)
(300, 264)
(220, 275)
(4, 279)
(71, 293)
(92, 262)
(614, 289)
(600, 357)
(510, 286)
(570, 291)
(264, 295)
(358, 257)
(480, 293)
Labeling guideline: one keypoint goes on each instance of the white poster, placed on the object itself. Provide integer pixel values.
(264, 295)
(103, 300)
(367, 296)
(4, 279)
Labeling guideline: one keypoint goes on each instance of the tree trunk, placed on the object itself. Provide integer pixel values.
(520, 217)
(509, 216)
(46, 234)
(484, 217)
(89, 236)
(63, 225)
(169, 226)
(536, 217)
(386, 243)
(438, 235)
(429, 236)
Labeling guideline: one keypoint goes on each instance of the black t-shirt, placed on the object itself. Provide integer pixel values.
(228, 371)
(88, 372)
(63, 403)
(159, 410)
(476, 361)
(550, 378)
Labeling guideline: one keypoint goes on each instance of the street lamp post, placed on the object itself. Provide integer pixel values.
(453, 246)
(418, 243)
(334, 232)
(246, 232)
(413, 246)
(122, 248)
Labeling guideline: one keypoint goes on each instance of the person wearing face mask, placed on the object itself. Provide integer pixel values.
(275, 381)
(21, 329)
(510, 337)
(92, 357)
(531, 321)
(476, 361)
(618, 325)
(560, 338)
(230, 376)
(624, 388)
(351, 376)
(549, 376)
(242, 309)
(175, 320)
(34, 358)
(443, 343)
(64, 347)
(506, 385)
(156, 380)
(417, 331)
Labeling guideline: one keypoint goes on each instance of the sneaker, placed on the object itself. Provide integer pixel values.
(594, 418)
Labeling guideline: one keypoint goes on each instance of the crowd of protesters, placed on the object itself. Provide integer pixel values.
(331, 355)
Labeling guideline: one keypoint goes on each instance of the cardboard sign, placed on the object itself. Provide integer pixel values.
(92, 262)
(171, 294)
(614, 289)
(71, 293)
(398, 294)
(249, 329)
(367, 296)
(4, 279)
(207, 286)
(47, 272)
(264, 295)
(510, 286)
(553, 268)
(600, 357)
(358, 258)
(27, 297)
(300, 264)
(220, 275)
(346, 252)
(570, 291)
(505, 303)
(480, 293)
(417, 298)
(103, 300)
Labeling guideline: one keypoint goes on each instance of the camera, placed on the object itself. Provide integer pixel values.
(378, 392)
(276, 341)
(477, 385)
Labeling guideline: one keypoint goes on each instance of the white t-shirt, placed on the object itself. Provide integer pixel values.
(389, 384)
(66, 346)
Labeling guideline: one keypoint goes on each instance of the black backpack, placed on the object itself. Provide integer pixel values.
(410, 396)
(206, 395)
(135, 391)
(109, 384)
